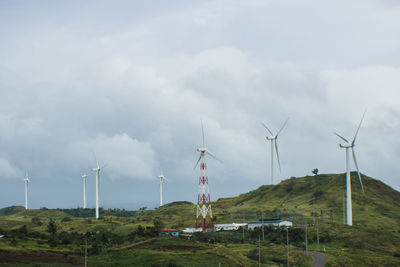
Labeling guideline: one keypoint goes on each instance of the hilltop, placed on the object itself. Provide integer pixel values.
(378, 207)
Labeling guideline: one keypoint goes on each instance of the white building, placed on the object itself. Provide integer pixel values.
(229, 226)
(269, 222)
(192, 230)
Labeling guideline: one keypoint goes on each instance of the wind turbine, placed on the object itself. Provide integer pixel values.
(203, 197)
(97, 169)
(84, 176)
(161, 177)
(350, 145)
(273, 138)
(26, 180)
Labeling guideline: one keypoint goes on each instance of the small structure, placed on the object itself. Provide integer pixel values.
(269, 222)
(167, 231)
(192, 230)
(229, 226)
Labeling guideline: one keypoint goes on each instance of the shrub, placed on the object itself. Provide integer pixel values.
(52, 227)
(66, 219)
(37, 221)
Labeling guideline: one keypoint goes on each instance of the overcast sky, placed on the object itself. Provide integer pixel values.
(130, 81)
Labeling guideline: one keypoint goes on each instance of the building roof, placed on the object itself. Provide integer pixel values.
(268, 221)
(168, 230)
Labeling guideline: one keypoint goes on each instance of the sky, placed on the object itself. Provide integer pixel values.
(128, 83)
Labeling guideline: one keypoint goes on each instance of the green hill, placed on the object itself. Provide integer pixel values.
(129, 237)
(378, 207)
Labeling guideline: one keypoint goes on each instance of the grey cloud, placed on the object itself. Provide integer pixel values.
(134, 91)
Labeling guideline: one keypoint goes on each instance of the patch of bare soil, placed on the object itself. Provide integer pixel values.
(37, 256)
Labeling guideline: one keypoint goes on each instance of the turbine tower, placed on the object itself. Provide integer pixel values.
(273, 138)
(97, 169)
(27, 181)
(203, 197)
(161, 177)
(84, 176)
(350, 145)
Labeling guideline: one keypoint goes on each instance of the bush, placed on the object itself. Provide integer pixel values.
(37, 221)
(318, 193)
(66, 219)
(13, 242)
(52, 227)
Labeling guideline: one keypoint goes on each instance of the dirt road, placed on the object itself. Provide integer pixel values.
(319, 259)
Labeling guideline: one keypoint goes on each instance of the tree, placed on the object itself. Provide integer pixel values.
(52, 227)
(315, 171)
(140, 230)
(158, 224)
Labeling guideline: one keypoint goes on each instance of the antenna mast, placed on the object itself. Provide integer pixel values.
(203, 197)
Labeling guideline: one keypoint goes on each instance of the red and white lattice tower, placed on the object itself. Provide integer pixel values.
(203, 197)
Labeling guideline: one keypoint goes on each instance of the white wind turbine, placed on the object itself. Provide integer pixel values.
(84, 176)
(203, 150)
(350, 145)
(26, 180)
(161, 177)
(273, 139)
(97, 169)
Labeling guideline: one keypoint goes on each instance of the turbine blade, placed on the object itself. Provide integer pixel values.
(283, 126)
(358, 171)
(277, 155)
(355, 136)
(197, 163)
(105, 165)
(202, 131)
(265, 126)
(95, 158)
(341, 137)
(209, 153)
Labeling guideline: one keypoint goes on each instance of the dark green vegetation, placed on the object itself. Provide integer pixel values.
(130, 238)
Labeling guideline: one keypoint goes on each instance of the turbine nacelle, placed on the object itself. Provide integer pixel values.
(271, 137)
(202, 150)
(346, 145)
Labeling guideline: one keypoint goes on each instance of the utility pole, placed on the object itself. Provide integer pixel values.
(262, 219)
(85, 251)
(317, 236)
(259, 252)
(287, 246)
(313, 214)
(243, 228)
(306, 240)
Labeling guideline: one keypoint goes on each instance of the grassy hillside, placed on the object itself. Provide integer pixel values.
(378, 207)
(130, 240)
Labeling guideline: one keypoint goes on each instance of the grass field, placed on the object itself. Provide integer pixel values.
(374, 240)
